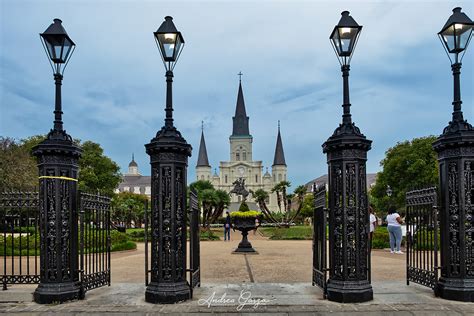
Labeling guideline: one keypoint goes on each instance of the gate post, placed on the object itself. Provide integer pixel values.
(58, 218)
(349, 272)
(455, 148)
(169, 154)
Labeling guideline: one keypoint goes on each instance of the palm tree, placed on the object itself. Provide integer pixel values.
(276, 189)
(208, 200)
(222, 201)
(300, 193)
(260, 197)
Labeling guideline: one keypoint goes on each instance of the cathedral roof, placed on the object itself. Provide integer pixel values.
(279, 159)
(133, 163)
(203, 161)
(240, 120)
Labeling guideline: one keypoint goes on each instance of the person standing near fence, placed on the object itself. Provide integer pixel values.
(373, 223)
(394, 222)
(227, 226)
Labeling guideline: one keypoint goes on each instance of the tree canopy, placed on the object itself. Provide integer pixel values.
(18, 167)
(128, 207)
(97, 171)
(407, 166)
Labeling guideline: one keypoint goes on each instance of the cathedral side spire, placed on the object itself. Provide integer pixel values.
(279, 159)
(203, 161)
(240, 120)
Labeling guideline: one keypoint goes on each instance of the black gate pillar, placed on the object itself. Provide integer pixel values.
(455, 148)
(169, 154)
(58, 171)
(346, 153)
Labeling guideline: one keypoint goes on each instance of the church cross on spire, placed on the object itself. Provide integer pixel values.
(240, 74)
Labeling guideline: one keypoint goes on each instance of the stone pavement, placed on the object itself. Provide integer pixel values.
(390, 298)
(278, 280)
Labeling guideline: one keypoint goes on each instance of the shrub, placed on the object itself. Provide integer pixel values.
(208, 235)
(243, 207)
(247, 214)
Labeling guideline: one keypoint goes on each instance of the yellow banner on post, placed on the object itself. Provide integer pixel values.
(55, 177)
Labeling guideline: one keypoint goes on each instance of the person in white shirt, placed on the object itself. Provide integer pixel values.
(394, 222)
(373, 222)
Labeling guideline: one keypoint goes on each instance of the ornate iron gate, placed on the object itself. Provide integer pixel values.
(19, 240)
(319, 238)
(94, 218)
(194, 234)
(422, 237)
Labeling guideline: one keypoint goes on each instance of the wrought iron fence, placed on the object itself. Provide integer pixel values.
(319, 238)
(94, 218)
(19, 240)
(422, 237)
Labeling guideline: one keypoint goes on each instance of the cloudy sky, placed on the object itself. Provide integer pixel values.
(114, 85)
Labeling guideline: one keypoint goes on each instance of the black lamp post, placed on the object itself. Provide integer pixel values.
(346, 151)
(58, 170)
(169, 154)
(455, 148)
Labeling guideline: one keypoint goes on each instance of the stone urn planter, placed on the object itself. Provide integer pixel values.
(244, 225)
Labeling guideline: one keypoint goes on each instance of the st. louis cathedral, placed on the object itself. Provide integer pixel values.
(241, 163)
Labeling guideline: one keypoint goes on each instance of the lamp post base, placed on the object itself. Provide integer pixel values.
(455, 289)
(349, 291)
(167, 293)
(48, 293)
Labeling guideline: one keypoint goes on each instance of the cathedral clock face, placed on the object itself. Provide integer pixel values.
(241, 171)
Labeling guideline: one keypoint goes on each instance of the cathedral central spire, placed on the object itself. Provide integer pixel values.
(203, 161)
(279, 158)
(240, 120)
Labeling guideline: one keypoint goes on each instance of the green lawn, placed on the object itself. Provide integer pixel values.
(291, 233)
(26, 244)
(138, 234)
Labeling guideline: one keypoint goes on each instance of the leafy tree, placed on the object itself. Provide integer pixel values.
(97, 171)
(128, 207)
(18, 167)
(307, 208)
(406, 166)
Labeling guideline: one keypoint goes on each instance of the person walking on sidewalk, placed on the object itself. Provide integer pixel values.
(394, 227)
(227, 226)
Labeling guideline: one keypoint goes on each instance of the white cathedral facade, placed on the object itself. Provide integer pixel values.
(241, 163)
